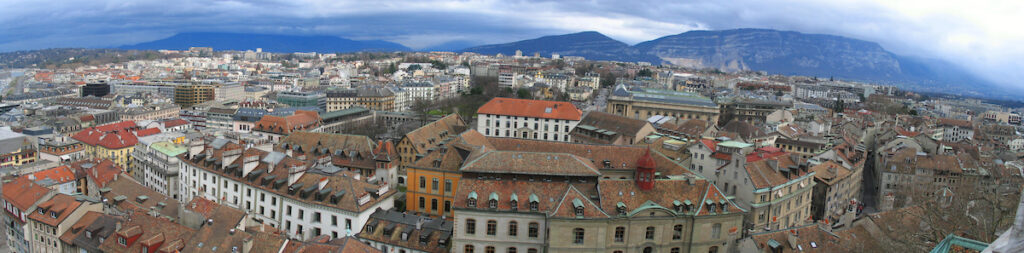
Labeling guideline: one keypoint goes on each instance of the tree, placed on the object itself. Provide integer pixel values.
(645, 73)
(414, 67)
(524, 93)
(391, 69)
(422, 108)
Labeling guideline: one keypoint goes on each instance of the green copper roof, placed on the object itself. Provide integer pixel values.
(735, 144)
(168, 148)
(472, 195)
(577, 203)
(515, 197)
(773, 243)
(946, 244)
(494, 196)
(534, 198)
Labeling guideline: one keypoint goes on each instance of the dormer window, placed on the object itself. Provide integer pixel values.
(515, 205)
(711, 208)
(122, 241)
(471, 202)
(41, 211)
(577, 206)
(53, 214)
(534, 202)
(492, 203)
(579, 211)
(88, 234)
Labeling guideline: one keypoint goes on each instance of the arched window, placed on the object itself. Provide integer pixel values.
(492, 203)
(648, 250)
(531, 250)
(469, 248)
(649, 234)
(674, 250)
(489, 249)
(713, 249)
(577, 235)
(534, 229)
(620, 234)
(511, 250)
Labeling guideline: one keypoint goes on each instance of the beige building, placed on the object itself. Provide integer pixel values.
(373, 98)
(152, 112)
(642, 103)
(53, 217)
(606, 128)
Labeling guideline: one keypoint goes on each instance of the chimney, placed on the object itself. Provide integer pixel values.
(322, 184)
(117, 226)
(249, 164)
(792, 238)
(774, 164)
(294, 173)
(229, 157)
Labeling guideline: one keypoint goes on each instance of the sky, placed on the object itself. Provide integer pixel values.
(982, 35)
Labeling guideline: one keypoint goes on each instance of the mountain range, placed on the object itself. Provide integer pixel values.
(772, 51)
(269, 43)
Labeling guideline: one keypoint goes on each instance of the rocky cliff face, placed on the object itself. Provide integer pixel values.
(775, 52)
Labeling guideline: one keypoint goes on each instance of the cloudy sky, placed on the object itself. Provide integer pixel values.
(982, 35)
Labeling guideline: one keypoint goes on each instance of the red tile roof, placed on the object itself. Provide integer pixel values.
(764, 153)
(62, 174)
(147, 132)
(61, 205)
(111, 136)
(22, 193)
(301, 120)
(101, 171)
(531, 108)
(174, 123)
(123, 125)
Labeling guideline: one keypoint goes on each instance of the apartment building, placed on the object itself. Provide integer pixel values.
(303, 199)
(373, 98)
(528, 119)
(21, 197)
(55, 216)
(112, 141)
(16, 149)
(155, 163)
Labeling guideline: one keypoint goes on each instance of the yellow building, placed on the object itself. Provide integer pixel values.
(114, 141)
(16, 149)
(433, 178)
(373, 98)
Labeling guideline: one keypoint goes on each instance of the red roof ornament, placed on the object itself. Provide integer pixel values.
(646, 161)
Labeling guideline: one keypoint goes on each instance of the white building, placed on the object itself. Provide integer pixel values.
(528, 119)
(283, 192)
(155, 163)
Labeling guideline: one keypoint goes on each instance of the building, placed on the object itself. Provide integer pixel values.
(642, 103)
(528, 119)
(89, 231)
(16, 149)
(273, 127)
(433, 178)
(150, 112)
(155, 164)
(775, 185)
(228, 92)
(112, 141)
(954, 130)
(416, 143)
(392, 231)
(20, 199)
(219, 117)
(55, 216)
(374, 161)
(605, 128)
(186, 95)
(755, 110)
(566, 204)
(144, 233)
(99, 89)
(346, 120)
(302, 99)
(833, 192)
(300, 198)
(373, 98)
(60, 179)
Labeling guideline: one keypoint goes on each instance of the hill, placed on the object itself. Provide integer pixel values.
(269, 43)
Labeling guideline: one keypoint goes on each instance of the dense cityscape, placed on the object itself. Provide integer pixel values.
(202, 150)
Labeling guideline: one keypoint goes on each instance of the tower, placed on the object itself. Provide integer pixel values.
(645, 171)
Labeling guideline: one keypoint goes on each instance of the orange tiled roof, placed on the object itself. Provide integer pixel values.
(61, 174)
(22, 193)
(531, 108)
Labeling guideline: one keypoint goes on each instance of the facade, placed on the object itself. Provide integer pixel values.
(153, 112)
(95, 89)
(186, 95)
(375, 161)
(155, 164)
(642, 103)
(528, 119)
(833, 191)
(289, 194)
(373, 98)
(20, 199)
(955, 130)
(775, 185)
(273, 128)
(300, 99)
(750, 109)
(60, 179)
(112, 141)
(220, 117)
(16, 149)
(418, 141)
(54, 217)
(89, 231)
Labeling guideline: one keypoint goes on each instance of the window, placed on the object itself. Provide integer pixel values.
(288, 211)
(447, 206)
(433, 204)
(423, 182)
(469, 249)
(316, 217)
(577, 235)
(302, 213)
(511, 250)
(492, 227)
(489, 249)
(423, 203)
(531, 250)
(648, 250)
(471, 202)
(716, 231)
(492, 203)
(674, 250)
(348, 224)
(677, 232)
(513, 228)
(713, 249)
(649, 234)
(533, 229)
(620, 234)
(122, 241)
(470, 226)
(533, 205)
(579, 212)
(433, 184)
(447, 185)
